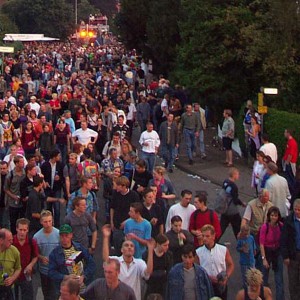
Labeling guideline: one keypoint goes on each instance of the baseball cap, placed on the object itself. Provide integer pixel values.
(132, 154)
(66, 228)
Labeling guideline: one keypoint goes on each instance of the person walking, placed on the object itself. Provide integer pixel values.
(189, 126)
(228, 136)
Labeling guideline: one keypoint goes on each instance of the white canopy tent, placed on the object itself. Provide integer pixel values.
(20, 37)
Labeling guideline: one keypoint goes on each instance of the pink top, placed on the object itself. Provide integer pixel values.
(272, 239)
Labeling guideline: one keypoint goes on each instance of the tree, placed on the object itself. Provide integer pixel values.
(163, 33)
(131, 24)
(50, 17)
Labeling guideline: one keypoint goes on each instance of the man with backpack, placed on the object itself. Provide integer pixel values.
(203, 216)
(231, 214)
(91, 169)
(72, 174)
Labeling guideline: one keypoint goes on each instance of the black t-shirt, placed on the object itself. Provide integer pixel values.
(153, 212)
(35, 204)
(121, 204)
(142, 179)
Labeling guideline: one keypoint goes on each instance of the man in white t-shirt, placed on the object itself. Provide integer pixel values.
(84, 135)
(149, 140)
(268, 148)
(216, 260)
(133, 270)
(184, 209)
(34, 105)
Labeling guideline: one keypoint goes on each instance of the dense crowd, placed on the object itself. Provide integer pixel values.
(68, 115)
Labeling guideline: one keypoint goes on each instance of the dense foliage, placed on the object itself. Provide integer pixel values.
(55, 18)
(222, 51)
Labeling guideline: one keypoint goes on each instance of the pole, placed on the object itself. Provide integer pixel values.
(76, 13)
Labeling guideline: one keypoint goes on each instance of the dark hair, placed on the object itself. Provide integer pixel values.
(29, 167)
(37, 180)
(260, 153)
(265, 137)
(272, 210)
(54, 153)
(202, 198)
(161, 239)
(176, 219)
(141, 163)
(146, 191)
(186, 192)
(137, 206)
(187, 249)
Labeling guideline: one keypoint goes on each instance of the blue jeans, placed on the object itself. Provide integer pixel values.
(244, 269)
(63, 152)
(289, 175)
(149, 158)
(189, 136)
(26, 290)
(278, 274)
(168, 154)
(54, 207)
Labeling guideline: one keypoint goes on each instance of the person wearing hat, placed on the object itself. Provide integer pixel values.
(279, 190)
(64, 263)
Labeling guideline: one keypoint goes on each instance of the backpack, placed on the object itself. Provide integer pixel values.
(222, 202)
(211, 217)
(90, 170)
(267, 230)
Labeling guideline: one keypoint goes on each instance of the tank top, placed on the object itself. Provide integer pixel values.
(261, 294)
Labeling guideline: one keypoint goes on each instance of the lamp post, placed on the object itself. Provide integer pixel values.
(76, 12)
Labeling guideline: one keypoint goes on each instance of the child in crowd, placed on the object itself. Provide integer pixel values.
(247, 248)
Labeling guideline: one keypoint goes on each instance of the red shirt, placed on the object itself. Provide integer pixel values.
(27, 253)
(291, 149)
(204, 218)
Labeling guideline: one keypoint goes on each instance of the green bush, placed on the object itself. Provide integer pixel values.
(274, 124)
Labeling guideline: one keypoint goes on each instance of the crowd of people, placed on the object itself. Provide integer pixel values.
(68, 115)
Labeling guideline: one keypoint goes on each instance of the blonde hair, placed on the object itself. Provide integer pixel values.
(254, 277)
(160, 170)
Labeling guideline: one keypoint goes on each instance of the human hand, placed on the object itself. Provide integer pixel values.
(182, 236)
(153, 221)
(8, 281)
(44, 260)
(266, 264)
(62, 201)
(131, 236)
(106, 230)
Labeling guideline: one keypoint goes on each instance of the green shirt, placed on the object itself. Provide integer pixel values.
(190, 122)
(9, 262)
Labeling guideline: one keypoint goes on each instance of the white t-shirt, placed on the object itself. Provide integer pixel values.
(84, 136)
(131, 111)
(12, 165)
(35, 106)
(163, 105)
(183, 212)
(152, 139)
(132, 274)
(271, 150)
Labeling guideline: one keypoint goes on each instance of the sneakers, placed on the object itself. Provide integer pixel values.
(203, 155)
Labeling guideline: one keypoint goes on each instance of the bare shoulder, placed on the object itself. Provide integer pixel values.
(267, 293)
(240, 295)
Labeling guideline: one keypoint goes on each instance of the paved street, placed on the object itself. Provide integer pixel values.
(205, 175)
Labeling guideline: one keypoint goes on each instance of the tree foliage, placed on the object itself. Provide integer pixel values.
(55, 18)
(151, 28)
(229, 49)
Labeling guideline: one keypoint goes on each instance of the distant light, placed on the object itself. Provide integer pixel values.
(83, 33)
(91, 34)
(270, 91)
